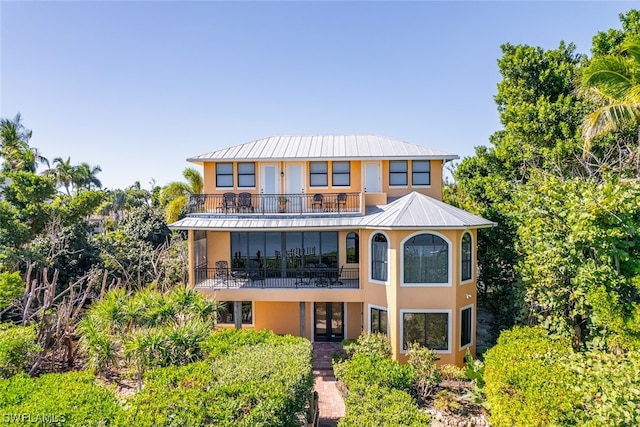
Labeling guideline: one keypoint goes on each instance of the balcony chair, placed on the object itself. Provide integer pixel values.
(244, 202)
(317, 201)
(228, 202)
(222, 273)
(342, 201)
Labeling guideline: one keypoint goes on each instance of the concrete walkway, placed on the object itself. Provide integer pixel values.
(330, 401)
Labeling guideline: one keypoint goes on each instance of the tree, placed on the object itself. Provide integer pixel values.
(15, 149)
(63, 172)
(85, 176)
(175, 195)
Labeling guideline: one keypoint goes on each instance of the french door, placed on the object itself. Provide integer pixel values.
(328, 321)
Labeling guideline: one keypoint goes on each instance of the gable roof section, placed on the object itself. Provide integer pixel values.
(415, 210)
(324, 147)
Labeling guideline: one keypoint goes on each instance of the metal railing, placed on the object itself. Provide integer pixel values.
(246, 203)
(261, 278)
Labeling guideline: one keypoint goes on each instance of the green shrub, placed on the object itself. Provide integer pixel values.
(17, 348)
(70, 399)
(226, 340)
(382, 406)
(445, 401)
(267, 382)
(11, 287)
(364, 370)
(427, 374)
(367, 343)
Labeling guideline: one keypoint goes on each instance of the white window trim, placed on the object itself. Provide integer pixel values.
(426, 310)
(473, 325)
(371, 280)
(421, 186)
(379, 307)
(449, 261)
(473, 270)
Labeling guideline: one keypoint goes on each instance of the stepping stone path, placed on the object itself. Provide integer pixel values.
(330, 402)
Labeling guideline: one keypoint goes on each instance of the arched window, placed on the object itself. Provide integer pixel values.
(465, 257)
(379, 247)
(353, 248)
(426, 259)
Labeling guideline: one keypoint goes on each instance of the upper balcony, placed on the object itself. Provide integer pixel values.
(245, 203)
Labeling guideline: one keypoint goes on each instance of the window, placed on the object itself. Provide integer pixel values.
(225, 312)
(353, 248)
(379, 257)
(421, 172)
(426, 259)
(465, 257)
(246, 174)
(466, 326)
(429, 329)
(398, 172)
(318, 174)
(378, 320)
(341, 174)
(200, 248)
(224, 175)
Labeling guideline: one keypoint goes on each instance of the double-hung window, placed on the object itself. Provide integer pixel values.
(341, 174)
(318, 174)
(398, 172)
(246, 175)
(421, 172)
(224, 175)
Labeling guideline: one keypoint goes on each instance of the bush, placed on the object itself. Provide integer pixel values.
(427, 374)
(11, 287)
(373, 344)
(71, 399)
(18, 348)
(382, 406)
(364, 370)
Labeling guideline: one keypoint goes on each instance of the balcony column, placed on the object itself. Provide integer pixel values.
(237, 314)
(303, 319)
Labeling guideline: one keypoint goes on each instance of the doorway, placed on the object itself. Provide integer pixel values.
(372, 179)
(328, 321)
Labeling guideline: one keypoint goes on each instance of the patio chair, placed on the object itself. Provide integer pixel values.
(244, 202)
(229, 202)
(222, 273)
(317, 201)
(342, 201)
(335, 278)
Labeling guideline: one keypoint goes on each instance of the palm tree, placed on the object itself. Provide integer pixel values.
(85, 176)
(15, 149)
(63, 172)
(175, 195)
(613, 83)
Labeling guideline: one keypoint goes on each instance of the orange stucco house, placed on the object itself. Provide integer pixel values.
(328, 236)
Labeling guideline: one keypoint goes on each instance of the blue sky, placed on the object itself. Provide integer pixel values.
(137, 87)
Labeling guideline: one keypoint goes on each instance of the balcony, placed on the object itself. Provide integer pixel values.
(262, 278)
(275, 204)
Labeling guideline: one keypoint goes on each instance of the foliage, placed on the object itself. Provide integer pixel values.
(446, 401)
(533, 380)
(175, 195)
(580, 260)
(72, 399)
(11, 287)
(17, 348)
(367, 343)
(363, 370)
(226, 340)
(427, 375)
(268, 383)
(381, 406)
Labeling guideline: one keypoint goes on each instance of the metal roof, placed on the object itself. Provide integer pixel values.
(324, 147)
(413, 211)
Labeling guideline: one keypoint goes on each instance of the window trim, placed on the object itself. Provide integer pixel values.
(225, 174)
(347, 173)
(253, 314)
(449, 262)
(371, 279)
(426, 310)
(325, 173)
(472, 332)
(471, 254)
(406, 174)
(246, 174)
(378, 307)
(413, 184)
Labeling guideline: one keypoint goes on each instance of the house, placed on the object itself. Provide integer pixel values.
(328, 236)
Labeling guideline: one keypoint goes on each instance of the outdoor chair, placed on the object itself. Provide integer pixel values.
(229, 202)
(317, 201)
(222, 273)
(342, 201)
(244, 202)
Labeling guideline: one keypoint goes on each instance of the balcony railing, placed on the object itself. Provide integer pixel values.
(267, 204)
(260, 278)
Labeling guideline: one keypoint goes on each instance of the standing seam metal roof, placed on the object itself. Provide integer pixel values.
(325, 147)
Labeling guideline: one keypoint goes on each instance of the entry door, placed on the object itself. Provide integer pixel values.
(329, 321)
(294, 185)
(269, 186)
(372, 181)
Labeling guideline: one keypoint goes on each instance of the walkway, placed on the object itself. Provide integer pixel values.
(330, 400)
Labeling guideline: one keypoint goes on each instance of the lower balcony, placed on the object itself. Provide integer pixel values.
(259, 278)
